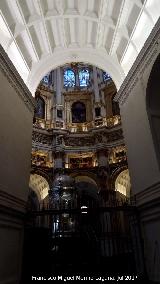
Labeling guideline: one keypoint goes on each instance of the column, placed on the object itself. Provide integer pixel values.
(95, 83)
(66, 161)
(109, 106)
(103, 109)
(58, 160)
(77, 78)
(58, 87)
(59, 105)
(102, 158)
(53, 96)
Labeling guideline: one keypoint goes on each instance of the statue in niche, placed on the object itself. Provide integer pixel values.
(78, 112)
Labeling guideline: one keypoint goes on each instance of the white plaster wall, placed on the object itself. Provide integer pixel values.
(15, 153)
(142, 157)
(15, 141)
(143, 166)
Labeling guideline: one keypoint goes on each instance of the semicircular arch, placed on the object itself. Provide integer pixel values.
(89, 56)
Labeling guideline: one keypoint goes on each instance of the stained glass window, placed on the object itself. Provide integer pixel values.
(69, 78)
(46, 79)
(84, 78)
(106, 77)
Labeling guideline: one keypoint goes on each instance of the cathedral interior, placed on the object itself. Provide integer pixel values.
(79, 140)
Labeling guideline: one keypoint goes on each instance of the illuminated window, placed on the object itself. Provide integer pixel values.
(84, 78)
(69, 78)
(46, 79)
(106, 77)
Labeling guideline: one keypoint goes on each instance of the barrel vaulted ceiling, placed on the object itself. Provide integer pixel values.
(39, 35)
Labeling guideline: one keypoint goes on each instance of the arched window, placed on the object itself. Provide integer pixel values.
(45, 79)
(40, 108)
(84, 78)
(106, 77)
(69, 78)
(78, 112)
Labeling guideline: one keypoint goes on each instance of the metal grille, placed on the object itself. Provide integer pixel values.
(86, 238)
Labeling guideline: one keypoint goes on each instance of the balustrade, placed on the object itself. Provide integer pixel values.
(79, 127)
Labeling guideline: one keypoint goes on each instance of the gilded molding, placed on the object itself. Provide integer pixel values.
(143, 60)
(15, 80)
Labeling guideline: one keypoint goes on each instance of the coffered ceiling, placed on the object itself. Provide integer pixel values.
(39, 35)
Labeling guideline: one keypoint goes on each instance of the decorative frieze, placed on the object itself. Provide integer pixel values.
(41, 138)
(76, 141)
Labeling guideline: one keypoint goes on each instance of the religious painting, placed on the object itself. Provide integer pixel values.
(78, 112)
(40, 108)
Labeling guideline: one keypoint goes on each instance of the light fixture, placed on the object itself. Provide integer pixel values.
(84, 209)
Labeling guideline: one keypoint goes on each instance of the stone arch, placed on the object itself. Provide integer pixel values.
(122, 183)
(43, 174)
(153, 105)
(87, 176)
(86, 188)
(39, 185)
(92, 56)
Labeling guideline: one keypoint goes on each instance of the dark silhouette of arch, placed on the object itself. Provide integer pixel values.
(78, 112)
(153, 104)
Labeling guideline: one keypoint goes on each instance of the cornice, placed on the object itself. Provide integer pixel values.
(15, 80)
(8, 200)
(144, 58)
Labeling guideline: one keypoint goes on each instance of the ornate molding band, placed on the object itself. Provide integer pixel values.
(15, 80)
(9, 201)
(148, 195)
(144, 58)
